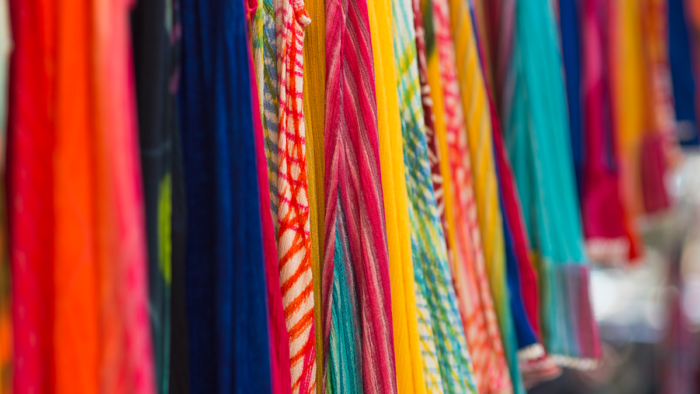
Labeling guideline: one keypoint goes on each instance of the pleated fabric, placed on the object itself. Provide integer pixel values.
(30, 196)
(456, 369)
(226, 294)
(479, 134)
(294, 243)
(683, 78)
(127, 353)
(277, 328)
(77, 331)
(535, 120)
(357, 322)
(471, 281)
(5, 276)
(314, 110)
(391, 154)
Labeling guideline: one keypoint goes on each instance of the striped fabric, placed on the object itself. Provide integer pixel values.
(453, 356)
(358, 335)
(264, 37)
(479, 134)
(278, 336)
(294, 245)
(481, 325)
(409, 365)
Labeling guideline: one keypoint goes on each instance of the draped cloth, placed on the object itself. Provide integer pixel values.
(278, 335)
(294, 242)
(684, 80)
(659, 150)
(314, 111)
(30, 197)
(478, 126)
(5, 276)
(409, 366)
(470, 278)
(225, 274)
(602, 213)
(455, 366)
(535, 120)
(126, 352)
(155, 48)
(358, 335)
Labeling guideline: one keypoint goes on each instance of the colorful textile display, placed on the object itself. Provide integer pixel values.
(226, 296)
(358, 335)
(5, 276)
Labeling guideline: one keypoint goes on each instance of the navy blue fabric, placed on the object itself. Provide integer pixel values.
(225, 284)
(682, 74)
(571, 53)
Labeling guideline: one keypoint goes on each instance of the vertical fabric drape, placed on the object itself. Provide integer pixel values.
(358, 336)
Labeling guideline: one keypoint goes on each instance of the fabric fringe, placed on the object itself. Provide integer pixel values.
(531, 352)
(581, 364)
(608, 251)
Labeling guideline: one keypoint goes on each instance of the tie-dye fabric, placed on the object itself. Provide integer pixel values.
(294, 242)
(435, 279)
(358, 335)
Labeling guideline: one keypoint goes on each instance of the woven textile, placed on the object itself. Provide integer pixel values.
(225, 269)
(5, 276)
(409, 365)
(535, 121)
(278, 335)
(358, 335)
(684, 80)
(453, 356)
(478, 124)
(314, 110)
(471, 282)
(294, 242)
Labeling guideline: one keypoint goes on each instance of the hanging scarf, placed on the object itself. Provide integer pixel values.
(406, 339)
(77, 312)
(628, 92)
(5, 275)
(471, 281)
(535, 121)
(601, 209)
(127, 354)
(30, 198)
(314, 111)
(422, 339)
(658, 150)
(454, 361)
(358, 336)
(279, 337)
(226, 302)
(681, 62)
(157, 120)
(485, 182)
(294, 243)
